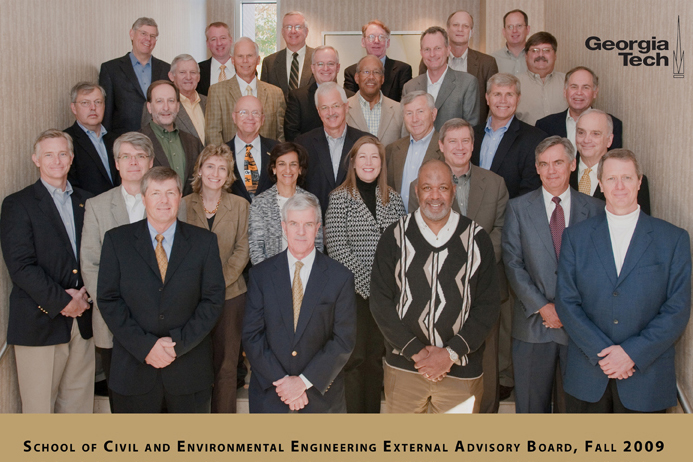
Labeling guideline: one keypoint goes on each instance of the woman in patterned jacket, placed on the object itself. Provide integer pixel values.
(359, 211)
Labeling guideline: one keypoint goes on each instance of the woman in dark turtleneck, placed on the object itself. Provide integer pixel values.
(359, 211)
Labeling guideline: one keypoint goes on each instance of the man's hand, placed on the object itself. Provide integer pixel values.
(435, 365)
(616, 363)
(160, 354)
(78, 305)
(299, 403)
(548, 314)
(290, 388)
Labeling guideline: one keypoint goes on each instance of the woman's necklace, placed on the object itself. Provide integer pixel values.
(211, 212)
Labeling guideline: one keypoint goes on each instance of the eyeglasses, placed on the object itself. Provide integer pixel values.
(297, 28)
(375, 73)
(517, 27)
(144, 34)
(86, 103)
(334, 107)
(328, 64)
(545, 51)
(137, 157)
(381, 38)
(244, 113)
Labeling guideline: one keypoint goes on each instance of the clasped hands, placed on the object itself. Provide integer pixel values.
(292, 391)
(162, 353)
(78, 305)
(548, 314)
(616, 363)
(433, 363)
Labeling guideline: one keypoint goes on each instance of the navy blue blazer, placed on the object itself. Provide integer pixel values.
(238, 186)
(205, 75)
(644, 309)
(554, 124)
(324, 337)
(87, 170)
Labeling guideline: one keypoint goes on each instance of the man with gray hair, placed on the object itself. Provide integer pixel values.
(185, 75)
(532, 233)
(329, 145)
(297, 359)
(127, 79)
(93, 168)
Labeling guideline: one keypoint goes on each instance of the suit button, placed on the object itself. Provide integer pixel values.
(74, 271)
(293, 353)
(615, 294)
(161, 289)
(161, 316)
(615, 321)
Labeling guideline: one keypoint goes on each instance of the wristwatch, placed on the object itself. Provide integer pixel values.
(454, 357)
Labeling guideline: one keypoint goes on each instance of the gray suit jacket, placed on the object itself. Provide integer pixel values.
(183, 121)
(391, 126)
(396, 156)
(274, 70)
(530, 260)
(458, 96)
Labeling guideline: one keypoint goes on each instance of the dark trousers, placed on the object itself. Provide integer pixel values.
(536, 367)
(610, 403)
(363, 373)
(226, 345)
(490, 400)
(106, 354)
(158, 400)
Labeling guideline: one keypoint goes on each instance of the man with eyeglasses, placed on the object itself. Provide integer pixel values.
(370, 110)
(127, 79)
(93, 167)
(329, 145)
(290, 68)
(301, 114)
(542, 87)
(511, 58)
(376, 40)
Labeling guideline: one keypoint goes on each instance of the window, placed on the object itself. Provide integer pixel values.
(257, 20)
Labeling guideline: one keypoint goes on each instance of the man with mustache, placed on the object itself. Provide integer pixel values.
(542, 88)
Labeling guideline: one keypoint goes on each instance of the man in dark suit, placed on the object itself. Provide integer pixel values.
(127, 79)
(289, 68)
(329, 145)
(172, 147)
(376, 40)
(581, 89)
(161, 290)
(93, 167)
(250, 150)
(300, 322)
(50, 319)
(624, 297)
(219, 67)
(456, 93)
(531, 247)
(594, 136)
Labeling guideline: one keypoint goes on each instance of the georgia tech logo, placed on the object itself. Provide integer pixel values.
(678, 53)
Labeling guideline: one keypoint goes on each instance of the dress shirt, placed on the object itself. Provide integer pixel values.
(621, 229)
(551, 206)
(134, 205)
(305, 274)
(509, 63)
(63, 203)
(463, 183)
(444, 235)
(434, 88)
(289, 60)
(214, 70)
(540, 97)
(167, 242)
(459, 64)
(489, 145)
(415, 157)
(172, 146)
(336, 146)
(255, 151)
(593, 175)
(372, 116)
(242, 84)
(99, 145)
(570, 128)
(143, 73)
(197, 115)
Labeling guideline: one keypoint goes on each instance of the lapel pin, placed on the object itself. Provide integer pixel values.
(81, 205)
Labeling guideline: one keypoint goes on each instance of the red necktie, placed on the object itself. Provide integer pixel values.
(557, 225)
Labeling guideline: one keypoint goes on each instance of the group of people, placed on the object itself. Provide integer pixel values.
(399, 234)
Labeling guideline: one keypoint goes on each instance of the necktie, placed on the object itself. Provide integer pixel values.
(297, 292)
(161, 258)
(293, 78)
(222, 73)
(248, 91)
(250, 173)
(557, 225)
(585, 184)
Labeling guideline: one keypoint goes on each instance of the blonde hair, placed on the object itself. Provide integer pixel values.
(212, 150)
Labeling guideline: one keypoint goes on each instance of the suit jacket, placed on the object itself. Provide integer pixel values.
(124, 96)
(219, 126)
(205, 74)
(238, 186)
(183, 121)
(644, 309)
(274, 70)
(191, 146)
(397, 73)
(301, 113)
(396, 156)
(481, 66)
(320, 179)
(458, 96)
(531, 263)
(320, 346)
(643, 193)
(87, 170)
(42, 264)
(554, 124)
(231, 227)
(139, 309)
(514, 159)
(391, 126)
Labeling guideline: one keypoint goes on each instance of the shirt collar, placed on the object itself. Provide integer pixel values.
(440, 80)
(340, 137)
(136, 62)
(90, 132)
(307, 260)
(463, 57)
(364, 102)
(185, 99)
(53, 191)
(548, 197)
(168, 234)
(503, 129)
(161, 131)
(240, 144)
(425, 140)
(242, 84)
(467, 175)
(129, 199)
(538, 77)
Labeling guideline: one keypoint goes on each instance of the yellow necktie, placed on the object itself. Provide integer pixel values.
(161, 258)
(222, 73)
(297, 292)
(585, 185)
(249, 91)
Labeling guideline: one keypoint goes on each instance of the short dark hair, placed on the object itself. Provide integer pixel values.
(516, 11)
(539, 38)
(595, 79)
(455, 124)
(288, 147)
(161, 82)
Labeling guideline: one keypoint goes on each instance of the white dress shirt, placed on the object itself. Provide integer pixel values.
(243, 85)
(551, 206)
(434, 88)
(255, 151)
(214, 71)
(289, 60)
(459, 64)
(134, 205)
(621, 229)
(444, 235)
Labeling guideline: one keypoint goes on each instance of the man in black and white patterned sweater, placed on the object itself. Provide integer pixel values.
(435, 297)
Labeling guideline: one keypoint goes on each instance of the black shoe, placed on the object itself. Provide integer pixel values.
(505, 392)
(101, 388)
